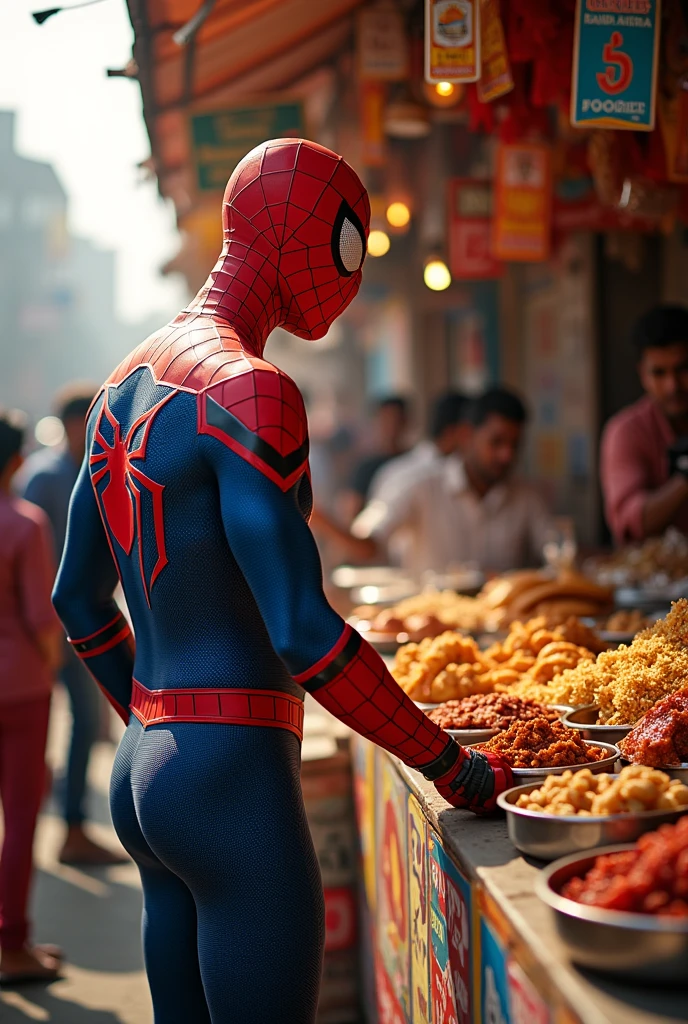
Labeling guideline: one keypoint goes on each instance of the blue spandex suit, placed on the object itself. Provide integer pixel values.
(195, 492)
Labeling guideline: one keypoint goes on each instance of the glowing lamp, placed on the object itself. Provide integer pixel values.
(444, 89)
(436, 275)
(398, 215)
(378, 243)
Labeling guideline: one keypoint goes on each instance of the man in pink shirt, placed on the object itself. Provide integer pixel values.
(30, 653)
(644, 455)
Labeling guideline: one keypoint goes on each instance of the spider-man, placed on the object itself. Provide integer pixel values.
(195, 490)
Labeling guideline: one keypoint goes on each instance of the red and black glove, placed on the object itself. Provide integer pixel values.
(474, 780)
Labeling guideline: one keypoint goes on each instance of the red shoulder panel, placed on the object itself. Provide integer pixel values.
(260, 415)
(190, 353)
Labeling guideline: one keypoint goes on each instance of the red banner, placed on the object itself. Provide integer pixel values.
(470, 231)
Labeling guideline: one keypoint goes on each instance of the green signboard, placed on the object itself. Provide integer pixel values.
(222, 137)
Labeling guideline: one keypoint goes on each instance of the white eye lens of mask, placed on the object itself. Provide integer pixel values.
(350, 246)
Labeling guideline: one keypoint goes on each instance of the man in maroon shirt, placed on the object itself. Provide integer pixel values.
(644, 455)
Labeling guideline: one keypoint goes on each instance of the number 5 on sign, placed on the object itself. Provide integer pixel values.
(615, 64)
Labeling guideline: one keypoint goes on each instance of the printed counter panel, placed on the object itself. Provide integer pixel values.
(444, 952)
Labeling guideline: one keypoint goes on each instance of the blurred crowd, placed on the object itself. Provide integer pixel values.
(449, 500)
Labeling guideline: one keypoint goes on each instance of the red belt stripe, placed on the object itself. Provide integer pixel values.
(231, 706)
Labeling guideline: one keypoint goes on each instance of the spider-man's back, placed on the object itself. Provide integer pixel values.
(188, 387)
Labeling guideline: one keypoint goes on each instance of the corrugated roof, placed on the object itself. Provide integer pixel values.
(244, 47)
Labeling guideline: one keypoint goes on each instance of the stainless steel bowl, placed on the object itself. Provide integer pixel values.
(469, 737)
(424, 706)
(584, 719)
(548, 836)
(536, 775)
(674, 771)
(639, 948)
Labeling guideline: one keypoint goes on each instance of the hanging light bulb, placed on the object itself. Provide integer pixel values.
(378, 242)
(436, 275)
(398, 214)
(445, 89)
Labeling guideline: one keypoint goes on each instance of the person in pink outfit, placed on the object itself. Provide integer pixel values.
(30, 653)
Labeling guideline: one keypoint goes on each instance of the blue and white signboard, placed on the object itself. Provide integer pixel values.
(615, 64)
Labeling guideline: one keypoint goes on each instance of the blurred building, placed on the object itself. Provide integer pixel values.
(57, 315)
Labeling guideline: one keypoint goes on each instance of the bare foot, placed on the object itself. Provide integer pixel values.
(32, 963)
(78, 849)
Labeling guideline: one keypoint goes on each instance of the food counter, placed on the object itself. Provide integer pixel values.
(458, 935)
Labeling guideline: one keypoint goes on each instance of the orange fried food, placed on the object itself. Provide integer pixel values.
(661, 736)
(540, 743)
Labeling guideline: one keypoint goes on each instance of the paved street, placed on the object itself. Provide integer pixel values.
(94, 915)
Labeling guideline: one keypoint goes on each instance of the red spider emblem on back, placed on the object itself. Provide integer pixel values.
(121, 496)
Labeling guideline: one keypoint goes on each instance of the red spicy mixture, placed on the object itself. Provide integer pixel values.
(661, 736)
(489, 711)
(652, 878)
(542, 744)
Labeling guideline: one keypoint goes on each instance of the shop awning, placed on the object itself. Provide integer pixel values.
(243, 47)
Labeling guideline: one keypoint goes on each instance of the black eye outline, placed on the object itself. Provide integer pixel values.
(346, 213)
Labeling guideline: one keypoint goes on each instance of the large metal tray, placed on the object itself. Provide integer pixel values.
(548, 836)
(639, 948)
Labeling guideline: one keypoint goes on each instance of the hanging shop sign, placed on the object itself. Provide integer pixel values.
(452, 40)
(381, 44)
(615, 64)
(221, 138)
(521, 229)
(470, 231)
(372, 100)
(495, 77)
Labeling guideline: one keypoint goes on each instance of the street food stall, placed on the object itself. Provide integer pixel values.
(517, 917)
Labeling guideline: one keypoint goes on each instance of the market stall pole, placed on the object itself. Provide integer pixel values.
(458, 932)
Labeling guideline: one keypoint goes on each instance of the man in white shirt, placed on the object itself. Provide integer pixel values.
(449, 431)
(466, 509)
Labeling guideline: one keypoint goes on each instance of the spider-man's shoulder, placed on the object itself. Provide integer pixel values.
(259, 413)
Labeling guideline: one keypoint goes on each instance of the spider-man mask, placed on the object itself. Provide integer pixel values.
(295, 218)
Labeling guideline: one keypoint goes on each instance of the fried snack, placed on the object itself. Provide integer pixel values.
(540, 743)
(661, 736)
(655, 561)
(627, 621)
(569, 586)
(454, 610)
(503, 590)
(651, 878)
(451, 666)
(627, 682)
(417, 667)
(488, 711)
(557, 610)
(633, 790)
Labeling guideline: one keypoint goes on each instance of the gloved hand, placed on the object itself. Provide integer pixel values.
(678, 457)
(475, 781)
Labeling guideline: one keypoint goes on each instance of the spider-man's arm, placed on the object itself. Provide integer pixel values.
(83, 596)
(277, 554)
